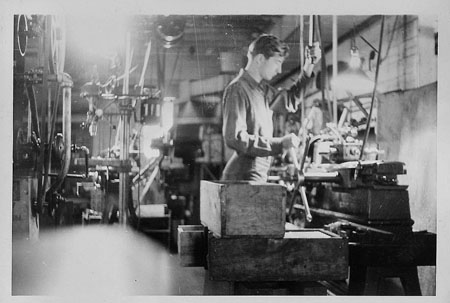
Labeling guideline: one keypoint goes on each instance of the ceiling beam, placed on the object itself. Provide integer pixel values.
(359, 27)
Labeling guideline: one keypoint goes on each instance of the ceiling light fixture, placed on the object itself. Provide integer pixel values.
(355, 59)
(170, 30)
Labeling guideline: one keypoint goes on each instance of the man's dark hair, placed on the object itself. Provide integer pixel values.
(268, 45)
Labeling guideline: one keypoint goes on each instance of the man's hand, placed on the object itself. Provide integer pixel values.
(312, 55)
(290, 140)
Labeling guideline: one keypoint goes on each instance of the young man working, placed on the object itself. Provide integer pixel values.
(248, 104)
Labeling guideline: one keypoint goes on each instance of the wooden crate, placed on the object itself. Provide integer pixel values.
(302, 255)
(253, 209)
(191, 245)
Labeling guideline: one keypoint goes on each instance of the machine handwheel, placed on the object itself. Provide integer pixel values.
(57, 45)
(22, 34)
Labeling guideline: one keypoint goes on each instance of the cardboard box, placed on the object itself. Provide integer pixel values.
(231, 209)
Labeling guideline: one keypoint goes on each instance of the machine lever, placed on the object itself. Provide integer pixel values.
(305, 203)
(300, 188)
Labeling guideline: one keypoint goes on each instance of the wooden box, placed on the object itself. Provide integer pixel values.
(243, 208)
(302, 255)
(191, 245)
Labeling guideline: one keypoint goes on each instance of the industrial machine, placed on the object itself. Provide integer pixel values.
(59, 172)
(348, 211)
(42, 154)
(362, 201)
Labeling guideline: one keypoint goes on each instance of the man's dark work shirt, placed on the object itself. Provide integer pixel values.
(248, 127)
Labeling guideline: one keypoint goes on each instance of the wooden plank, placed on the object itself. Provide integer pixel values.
(302, 255)
(211, 206)
(243, 208)
(255, 210)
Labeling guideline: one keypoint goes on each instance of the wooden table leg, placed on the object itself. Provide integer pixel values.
(364, 281)
(217, 288)
(357, 280)
(410, 281)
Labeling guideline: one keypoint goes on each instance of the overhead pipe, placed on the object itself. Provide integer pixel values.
(335, 67)
(311, 30)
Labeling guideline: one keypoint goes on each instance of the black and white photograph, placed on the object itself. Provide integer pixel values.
(193, 151)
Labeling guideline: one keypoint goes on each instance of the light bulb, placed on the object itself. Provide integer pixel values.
(355, 60)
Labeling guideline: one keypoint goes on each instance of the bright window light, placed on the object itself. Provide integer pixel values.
(148, 134)
(167, 114)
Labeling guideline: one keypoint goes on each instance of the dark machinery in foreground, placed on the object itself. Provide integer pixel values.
(363, 202)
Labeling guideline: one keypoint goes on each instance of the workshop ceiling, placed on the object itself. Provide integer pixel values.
(203, 39)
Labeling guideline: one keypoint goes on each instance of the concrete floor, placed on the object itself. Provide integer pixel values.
(100, 260)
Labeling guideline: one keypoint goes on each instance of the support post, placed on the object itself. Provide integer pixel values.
(124, 177)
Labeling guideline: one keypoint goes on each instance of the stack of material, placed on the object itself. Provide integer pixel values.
(247, 240)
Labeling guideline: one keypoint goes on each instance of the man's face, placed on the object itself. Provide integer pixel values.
(270, 67)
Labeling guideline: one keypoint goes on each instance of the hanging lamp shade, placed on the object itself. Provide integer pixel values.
(170, 30)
